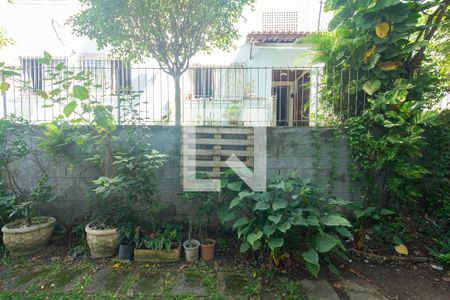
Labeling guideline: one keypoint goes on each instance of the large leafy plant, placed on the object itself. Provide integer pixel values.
(124, 191)
(387, 144)
(380, 40)
(290, 218)
(131, 190)
(15, 145)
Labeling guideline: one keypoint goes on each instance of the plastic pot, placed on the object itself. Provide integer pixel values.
(191, 249)
(126, 252)
(207, 249)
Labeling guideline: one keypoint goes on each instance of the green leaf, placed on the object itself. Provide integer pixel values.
(397, 240)
(344, 232)
(386, 212)
(240, 222)
(336, 220)
(253, 237)
(235, 186)
(46, 59)
(425, 117)
(80, 92)
(275, 243)
(279, 204)
(325, 242)
(299, 220)
(313, 269)
(235, 202)
(312, 220)
(70, 108)
(275, 218)
(372, 86)
(244, 247)
(256, 245)
(55, 92)
(224, 214)
(261, 205)
(103, 117)
(283, 227)
(269, 230)
(311, 256)
(60, 67)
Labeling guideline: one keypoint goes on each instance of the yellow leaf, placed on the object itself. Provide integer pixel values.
(368, 54)
(382, 29)
(116, 266)
(4, 86)
(389, 65)
(401, 249)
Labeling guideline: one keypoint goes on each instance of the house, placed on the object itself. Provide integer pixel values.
(267, 81)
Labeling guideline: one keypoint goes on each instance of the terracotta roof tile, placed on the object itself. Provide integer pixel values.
(275, 37)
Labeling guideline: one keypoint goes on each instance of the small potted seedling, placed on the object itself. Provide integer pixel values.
(191, 246)
(207, 244)
(127, 244)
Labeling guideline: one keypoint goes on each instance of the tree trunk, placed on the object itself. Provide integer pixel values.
(177, 100)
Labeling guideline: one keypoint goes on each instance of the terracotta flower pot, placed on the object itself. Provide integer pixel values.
(102, 243)
(207, 249)
(27, 240)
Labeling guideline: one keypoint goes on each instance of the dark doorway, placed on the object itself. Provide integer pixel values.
(282, 96)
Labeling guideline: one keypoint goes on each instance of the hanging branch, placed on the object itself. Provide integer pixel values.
(434, 20)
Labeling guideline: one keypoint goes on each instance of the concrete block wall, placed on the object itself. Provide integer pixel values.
(315, 153)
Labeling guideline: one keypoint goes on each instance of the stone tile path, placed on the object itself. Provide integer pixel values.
(163, 282)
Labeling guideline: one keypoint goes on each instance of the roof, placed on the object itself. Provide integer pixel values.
(275, 37)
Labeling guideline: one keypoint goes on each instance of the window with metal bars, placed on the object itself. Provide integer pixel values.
(109, 74)
(34, 73)
(203, 82)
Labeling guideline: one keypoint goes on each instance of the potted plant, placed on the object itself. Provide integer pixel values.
(31, 232)
(191, 247)
(209, 203)
(124, 189)
(232, 114)
(157, 246)
(127, 243)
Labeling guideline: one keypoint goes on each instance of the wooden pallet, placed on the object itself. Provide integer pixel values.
(212, 146)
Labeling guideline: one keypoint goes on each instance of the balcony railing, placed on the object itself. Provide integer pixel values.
(231, 95)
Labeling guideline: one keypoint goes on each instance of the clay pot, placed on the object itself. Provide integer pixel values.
(27, 240)
(191, 251)
(103, 243)
(207, 249)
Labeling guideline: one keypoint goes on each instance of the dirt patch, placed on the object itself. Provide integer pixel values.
(405, 281)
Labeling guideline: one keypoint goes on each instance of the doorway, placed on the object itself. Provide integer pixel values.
(281, 94)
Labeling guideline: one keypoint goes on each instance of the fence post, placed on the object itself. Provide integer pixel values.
(5, 113)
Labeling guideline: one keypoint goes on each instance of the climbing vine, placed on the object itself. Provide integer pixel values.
(379, 49)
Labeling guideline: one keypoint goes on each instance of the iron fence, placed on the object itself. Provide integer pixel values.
(229, 95)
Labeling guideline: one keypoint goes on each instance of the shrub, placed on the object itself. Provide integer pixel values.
(291, 217)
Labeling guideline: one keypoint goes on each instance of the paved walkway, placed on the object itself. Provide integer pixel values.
(88, 279)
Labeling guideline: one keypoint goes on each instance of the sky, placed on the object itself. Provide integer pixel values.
(38, 25)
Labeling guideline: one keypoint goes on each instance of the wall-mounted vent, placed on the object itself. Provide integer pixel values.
(280, 21)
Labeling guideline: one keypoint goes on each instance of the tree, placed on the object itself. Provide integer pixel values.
(380, 41)
(171, 31)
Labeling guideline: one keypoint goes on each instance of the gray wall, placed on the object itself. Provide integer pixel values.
(316, 153)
